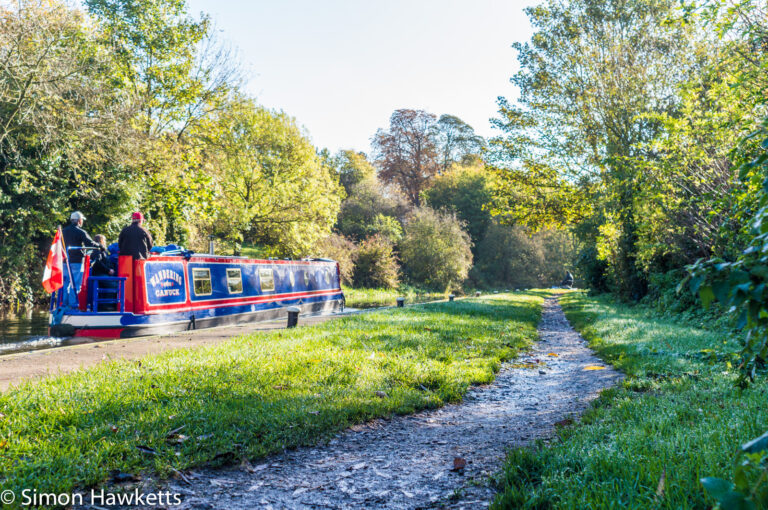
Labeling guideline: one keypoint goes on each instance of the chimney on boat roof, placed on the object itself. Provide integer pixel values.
(210, 244)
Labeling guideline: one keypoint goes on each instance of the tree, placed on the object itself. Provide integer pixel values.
(466, 192)
(273, 189)
(456, 140)
(167, 59)
(406, 154)
(352, 168)
(64, 134)
(592, 78)
(435, 249)
(369, 209)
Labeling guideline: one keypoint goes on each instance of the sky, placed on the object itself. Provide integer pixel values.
(341, 67)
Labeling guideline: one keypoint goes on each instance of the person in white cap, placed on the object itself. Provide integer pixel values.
(75, 237)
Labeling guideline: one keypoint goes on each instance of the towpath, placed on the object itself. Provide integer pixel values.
(440, 458)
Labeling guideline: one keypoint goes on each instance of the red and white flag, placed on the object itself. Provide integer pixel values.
(53, 277)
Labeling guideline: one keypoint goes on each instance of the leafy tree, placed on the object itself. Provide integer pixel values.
(273, 189)
(435, 249)
(406, 154)
(166, 58)
(63, 137)
(466, 192)
(456, 140)
(370, 209)
(352, 168)
(591, 79)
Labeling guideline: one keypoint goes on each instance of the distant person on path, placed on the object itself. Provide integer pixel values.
(568, 280)
(100, 263)
(75, 237)
(134, 240)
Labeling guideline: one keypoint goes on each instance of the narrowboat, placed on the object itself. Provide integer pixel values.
(185, 291)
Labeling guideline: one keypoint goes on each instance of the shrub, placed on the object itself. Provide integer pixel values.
(435, 249)
(376, 265)
(343, 251)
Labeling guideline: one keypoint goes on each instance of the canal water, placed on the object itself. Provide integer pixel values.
(25, 331)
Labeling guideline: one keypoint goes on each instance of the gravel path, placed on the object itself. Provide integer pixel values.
(416, 461)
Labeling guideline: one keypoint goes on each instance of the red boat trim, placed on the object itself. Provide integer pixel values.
(99, 333)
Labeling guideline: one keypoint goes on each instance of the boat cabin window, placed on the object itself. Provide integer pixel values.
(306, 278)
(234, 280)
(267, 279)
(292, 278)
(201, 278)
(328, 276)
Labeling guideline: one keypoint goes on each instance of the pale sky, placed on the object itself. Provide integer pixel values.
(341, 67)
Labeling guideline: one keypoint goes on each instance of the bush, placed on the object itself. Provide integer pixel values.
(376, 265)
(435, 249)
(343, 251)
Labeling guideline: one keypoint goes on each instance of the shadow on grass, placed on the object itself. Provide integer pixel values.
(256, 394)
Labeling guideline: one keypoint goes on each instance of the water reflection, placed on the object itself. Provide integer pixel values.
(25, 331)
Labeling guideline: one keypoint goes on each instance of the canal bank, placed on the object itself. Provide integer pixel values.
(17, 368)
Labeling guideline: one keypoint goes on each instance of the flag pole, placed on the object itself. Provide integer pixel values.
(66, 256)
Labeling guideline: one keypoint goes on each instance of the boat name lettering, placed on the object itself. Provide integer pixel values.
(167, 278)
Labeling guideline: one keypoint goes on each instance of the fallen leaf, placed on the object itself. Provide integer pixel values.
(381, 394)
(3, 443)
(360, 465)
(113, 428)
(458, 464)
(564, 423)
(553, 354)
(204, 437)
(594, 367)
(314, 412)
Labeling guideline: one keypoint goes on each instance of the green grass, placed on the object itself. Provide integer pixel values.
(256, 394)
(371, 298)
(677, 415)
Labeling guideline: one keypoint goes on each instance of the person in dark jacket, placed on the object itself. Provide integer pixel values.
(567, 281)
(75, 237)
(134, 239)
(101, 265)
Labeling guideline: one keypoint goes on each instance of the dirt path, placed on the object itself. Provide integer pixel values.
(16, 368)
(408, 462)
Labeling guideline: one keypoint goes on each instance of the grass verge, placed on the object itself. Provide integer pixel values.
(253, 395)
(645, 444)
(372, 298)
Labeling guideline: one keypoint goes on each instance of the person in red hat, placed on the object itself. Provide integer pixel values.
(134, 239)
